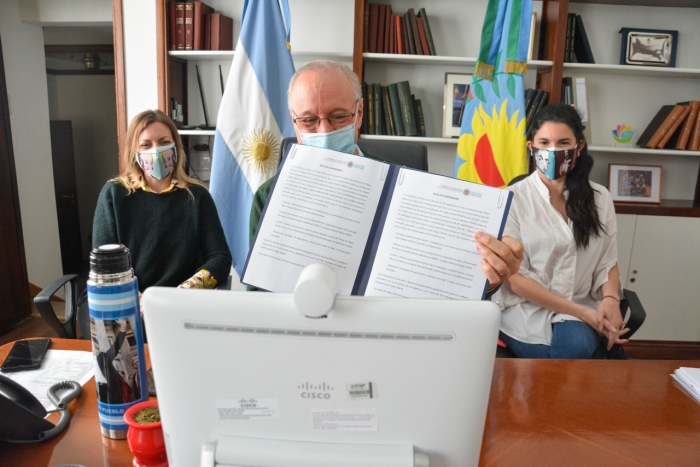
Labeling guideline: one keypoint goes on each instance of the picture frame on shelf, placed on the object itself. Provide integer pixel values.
(648, 47)
(456, 91)
(632, 183)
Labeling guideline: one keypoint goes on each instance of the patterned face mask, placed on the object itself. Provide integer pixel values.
(158, 162)
(555, 162)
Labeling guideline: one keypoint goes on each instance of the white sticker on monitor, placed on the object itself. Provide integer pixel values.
(248, 408)
(362, 391)
(344, 419)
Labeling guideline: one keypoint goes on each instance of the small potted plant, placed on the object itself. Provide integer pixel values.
(145, 436)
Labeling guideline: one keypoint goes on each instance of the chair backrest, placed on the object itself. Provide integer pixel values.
(409, 154)
(65, 328)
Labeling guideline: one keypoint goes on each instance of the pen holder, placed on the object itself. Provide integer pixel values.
(145, 439)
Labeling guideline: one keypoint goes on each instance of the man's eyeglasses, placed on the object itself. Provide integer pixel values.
(336, 120)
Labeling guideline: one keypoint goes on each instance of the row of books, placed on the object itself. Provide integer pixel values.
(535, 99)
(388, 33)
(392, 110)
(674, 126)
(577, 45)
(196, 26)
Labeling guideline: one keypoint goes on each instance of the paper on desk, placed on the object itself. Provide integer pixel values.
(58, 365)
(689, 378)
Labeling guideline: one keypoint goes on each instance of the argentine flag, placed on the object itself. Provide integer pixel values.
(253, 118)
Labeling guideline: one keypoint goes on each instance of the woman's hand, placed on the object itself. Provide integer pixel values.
(593, 318)
(614, 335)
(611, 310)
(501, 258)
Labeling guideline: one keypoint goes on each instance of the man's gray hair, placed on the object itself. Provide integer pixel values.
(325, 65)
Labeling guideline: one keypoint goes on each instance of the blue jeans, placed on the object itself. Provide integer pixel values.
(570, 340)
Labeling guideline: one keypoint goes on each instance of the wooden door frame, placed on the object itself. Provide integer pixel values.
(19, 304)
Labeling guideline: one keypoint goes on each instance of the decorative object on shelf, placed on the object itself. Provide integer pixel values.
(145, 435)
(648, 47)
(456, 92)
(635, 183)
(491, 148)
(623, 135)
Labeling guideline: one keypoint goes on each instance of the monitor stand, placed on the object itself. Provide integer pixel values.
(235, 450)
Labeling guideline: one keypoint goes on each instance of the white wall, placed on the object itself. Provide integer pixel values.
(141, 67)
(23, 54)
(66, 12)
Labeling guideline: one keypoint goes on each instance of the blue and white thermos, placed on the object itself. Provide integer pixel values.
(117, 337)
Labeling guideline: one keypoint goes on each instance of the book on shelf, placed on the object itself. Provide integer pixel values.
(395, 106)
(399, 34)
(650, 131)
(180, 24)
(364, 127)
(409, 34)
(428, 34)
(386, 112)
(407, 113)
(365, 30)
(420, 118)
(391, 25)
(414, 30)
(694, 140)
(201, 9)
(189, 31)
(671, 115)
(569, 44)
(378, 115)
(582, 48)
(370, 110)
(421, 35)
(372, 242)
(534, 107)
(529, 94)
(685, 110)
(220, 36)
(381, 24)
(373, 26)
(387, 31)
(172, 28)
(687, 127)
(531, 44)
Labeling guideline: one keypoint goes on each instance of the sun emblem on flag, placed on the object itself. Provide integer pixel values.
(261, 151)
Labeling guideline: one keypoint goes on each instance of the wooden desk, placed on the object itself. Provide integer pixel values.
(541, 413)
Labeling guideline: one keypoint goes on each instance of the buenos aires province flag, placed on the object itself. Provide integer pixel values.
(253, 118)
(492, 145)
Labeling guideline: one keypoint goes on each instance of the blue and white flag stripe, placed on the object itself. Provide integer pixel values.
(253, 108)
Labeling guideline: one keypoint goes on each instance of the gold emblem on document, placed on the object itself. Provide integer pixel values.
(261, 151)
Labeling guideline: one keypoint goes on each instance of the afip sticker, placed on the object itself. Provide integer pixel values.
(362, 391)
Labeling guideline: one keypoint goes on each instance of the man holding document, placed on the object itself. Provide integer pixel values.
(385, 230)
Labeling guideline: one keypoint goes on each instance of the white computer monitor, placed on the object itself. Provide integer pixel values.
(246, 374)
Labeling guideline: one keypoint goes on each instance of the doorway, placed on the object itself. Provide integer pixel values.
(81, 89)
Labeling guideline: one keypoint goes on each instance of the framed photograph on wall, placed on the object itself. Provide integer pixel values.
(635, 183)
(648, 47)
(456, 91)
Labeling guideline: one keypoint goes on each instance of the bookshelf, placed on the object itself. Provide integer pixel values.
(617, 93)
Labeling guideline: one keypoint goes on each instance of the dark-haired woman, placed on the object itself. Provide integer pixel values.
(565, 295)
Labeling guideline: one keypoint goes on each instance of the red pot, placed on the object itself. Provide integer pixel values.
(145, 439)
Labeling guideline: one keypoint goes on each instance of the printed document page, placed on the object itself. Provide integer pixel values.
(427, 248)
(321, 211)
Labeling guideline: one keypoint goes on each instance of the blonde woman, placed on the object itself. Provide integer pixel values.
(167, 219)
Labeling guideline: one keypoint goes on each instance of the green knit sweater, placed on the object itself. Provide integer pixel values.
(171, 236)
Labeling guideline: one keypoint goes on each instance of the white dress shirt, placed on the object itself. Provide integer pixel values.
(552, 259)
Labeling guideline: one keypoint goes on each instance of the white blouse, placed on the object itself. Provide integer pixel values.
(552, 259)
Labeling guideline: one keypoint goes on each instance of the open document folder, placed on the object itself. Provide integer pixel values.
(386, 230)
(689, 379)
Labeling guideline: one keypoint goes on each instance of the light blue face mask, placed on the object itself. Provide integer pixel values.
(342, 140)
(158, 162)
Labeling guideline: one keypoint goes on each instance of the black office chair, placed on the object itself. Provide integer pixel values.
(408, 154)
(76, 311)
(630, 302)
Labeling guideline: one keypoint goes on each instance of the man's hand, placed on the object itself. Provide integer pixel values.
(501, 258)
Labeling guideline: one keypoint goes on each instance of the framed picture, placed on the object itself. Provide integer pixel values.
(635, 183)
(648, 47)
(456, 91)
